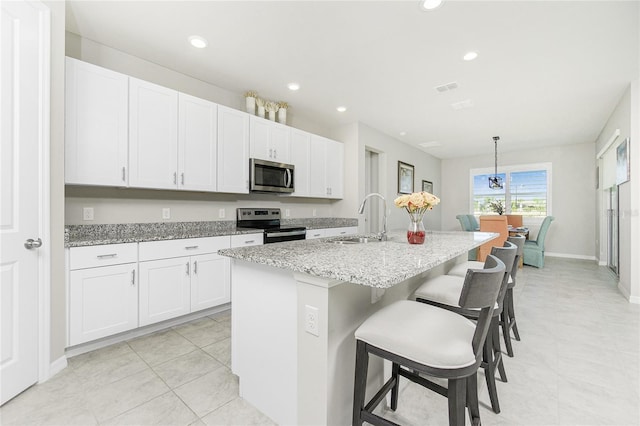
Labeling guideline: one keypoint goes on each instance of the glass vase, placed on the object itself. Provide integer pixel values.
(416, 231)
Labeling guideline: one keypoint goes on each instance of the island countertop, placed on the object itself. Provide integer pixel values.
(375, 264)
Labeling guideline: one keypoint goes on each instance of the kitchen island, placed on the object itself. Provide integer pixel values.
(296, 305)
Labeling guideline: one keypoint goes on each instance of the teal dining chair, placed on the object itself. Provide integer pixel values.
(534, 250)
(469, 223)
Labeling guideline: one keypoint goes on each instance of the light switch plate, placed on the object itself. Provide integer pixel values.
(221, 214)
(166, 213)
(287, 212)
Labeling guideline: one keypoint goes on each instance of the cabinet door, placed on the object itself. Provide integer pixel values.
(259, 146)
(153, 135)
(164, 289)
(334, 168)
(210, 281)
(269, 141)
(233, 150)
(300, 159)
(197, 134)
(102, 301)
(280, 143)
(317, 154)
(96, 123)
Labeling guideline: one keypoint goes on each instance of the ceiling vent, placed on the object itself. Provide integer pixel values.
(447, 87)
(432, 144)
(467, 103)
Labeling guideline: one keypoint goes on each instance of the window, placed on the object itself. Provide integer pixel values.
(526, 190)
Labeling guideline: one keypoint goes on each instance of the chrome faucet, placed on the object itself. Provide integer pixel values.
(383, 234)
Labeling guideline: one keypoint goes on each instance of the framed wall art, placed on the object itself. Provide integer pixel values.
(427, 186)
(405, 178)
(622, 162)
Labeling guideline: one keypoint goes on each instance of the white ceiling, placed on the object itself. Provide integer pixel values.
(548, 72)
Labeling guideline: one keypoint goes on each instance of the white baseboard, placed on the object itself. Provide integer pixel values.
(55, 367)
(137, 332)
(570, 256)
(627, 295)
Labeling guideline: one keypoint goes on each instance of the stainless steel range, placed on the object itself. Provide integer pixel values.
(269, 221)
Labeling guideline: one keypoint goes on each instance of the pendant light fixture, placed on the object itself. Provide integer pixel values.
(495, 181)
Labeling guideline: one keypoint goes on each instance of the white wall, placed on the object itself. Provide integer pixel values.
(137, 205)
(58, 334)
(573, 193)
(391, 151)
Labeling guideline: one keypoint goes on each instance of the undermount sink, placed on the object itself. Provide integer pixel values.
(357, 240)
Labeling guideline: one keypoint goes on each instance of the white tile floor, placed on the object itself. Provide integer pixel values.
(577, 364)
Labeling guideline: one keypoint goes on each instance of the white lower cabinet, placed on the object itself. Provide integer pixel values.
(182, 276)
(103, 300)
(210, 281)
(165, 289)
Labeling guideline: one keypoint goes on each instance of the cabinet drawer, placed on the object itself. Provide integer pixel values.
(315, 233)
(247, 240)
(103, 255)
(186, 247)
(337, 232)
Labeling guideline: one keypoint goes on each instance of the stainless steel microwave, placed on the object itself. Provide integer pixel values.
(267, 176)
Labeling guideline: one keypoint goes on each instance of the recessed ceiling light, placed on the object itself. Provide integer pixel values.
(470, 56)
(197, 41)
(341, 108)
(293, 86)
(430, 4)
(403, 133)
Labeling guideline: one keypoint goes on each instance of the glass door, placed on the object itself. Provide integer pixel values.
(612, 230)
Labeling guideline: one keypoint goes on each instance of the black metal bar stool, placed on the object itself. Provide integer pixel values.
(425, 340)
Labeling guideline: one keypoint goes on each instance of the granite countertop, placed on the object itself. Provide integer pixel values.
(91, 235)
(375, 264)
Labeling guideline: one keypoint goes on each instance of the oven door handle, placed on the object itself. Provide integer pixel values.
(285, 234)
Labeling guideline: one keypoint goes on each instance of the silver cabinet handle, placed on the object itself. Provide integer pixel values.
(188, 268)
(175, 177)
(107, 256)
(133, 277)
(31, 244)
(191, 247)
(270, 153)
(275, 153)
(182, 177)
(123, 174)
(195, 267)
(250, 241)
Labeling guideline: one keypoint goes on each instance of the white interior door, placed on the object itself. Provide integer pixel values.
(22, 130)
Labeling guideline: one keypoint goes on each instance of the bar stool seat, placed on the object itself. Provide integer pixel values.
(421, 333)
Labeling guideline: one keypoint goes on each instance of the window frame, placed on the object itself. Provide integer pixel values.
(507, 170)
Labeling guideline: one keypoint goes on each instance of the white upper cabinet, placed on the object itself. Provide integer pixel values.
(153, 135)
(197, 150)
(326, 163)
(334, 168)
(269, 140)
(233, 150)
(96, 123)
(300, 145)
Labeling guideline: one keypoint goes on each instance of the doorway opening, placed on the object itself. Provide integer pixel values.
(373, 211)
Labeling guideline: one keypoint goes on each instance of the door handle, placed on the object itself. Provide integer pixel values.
(195, 267)
(31, 244)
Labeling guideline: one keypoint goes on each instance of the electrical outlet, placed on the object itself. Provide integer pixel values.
(166, 213)
(311, 320)
(315, 213)
(221, 213)
(87, 213)
(287, 212)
